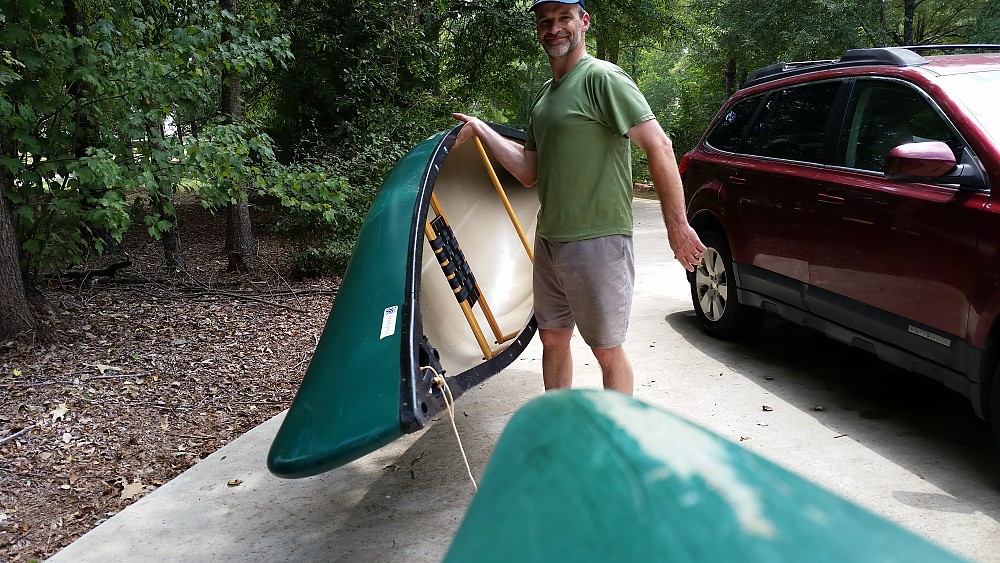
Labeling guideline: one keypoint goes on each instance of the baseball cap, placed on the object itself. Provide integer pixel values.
(537, 2)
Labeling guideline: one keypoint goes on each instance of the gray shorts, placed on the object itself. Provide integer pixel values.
(586, 283)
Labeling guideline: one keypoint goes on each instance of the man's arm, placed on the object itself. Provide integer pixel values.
(688, 248)
(519, 162)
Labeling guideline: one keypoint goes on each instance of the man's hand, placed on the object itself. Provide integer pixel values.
(512, 156)
(688, 248)
(469, 130)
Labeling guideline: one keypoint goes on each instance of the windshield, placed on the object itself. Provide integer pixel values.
(978, 90)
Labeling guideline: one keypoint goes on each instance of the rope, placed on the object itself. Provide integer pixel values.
(449, 403)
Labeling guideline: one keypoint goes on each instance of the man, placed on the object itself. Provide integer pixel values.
(577, 153)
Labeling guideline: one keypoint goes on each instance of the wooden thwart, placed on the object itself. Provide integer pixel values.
(503, 198)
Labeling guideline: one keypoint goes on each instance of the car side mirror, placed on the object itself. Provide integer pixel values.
(933, 162)
(919, 160)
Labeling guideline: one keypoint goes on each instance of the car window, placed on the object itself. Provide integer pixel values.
(793, 122)
(728, 132)
(884, 114)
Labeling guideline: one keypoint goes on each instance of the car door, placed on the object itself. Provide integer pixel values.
(893, 259)
(772, 181)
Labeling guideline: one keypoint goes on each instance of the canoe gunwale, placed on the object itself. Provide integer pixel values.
(420, 400)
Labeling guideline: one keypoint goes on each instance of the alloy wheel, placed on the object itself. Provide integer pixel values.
(712, 285)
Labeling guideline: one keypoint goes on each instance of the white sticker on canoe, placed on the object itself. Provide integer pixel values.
(389, 321)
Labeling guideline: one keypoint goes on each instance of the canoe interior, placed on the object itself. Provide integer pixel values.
(494, 251)
(442, 337)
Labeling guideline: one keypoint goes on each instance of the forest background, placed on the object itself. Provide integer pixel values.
(113, 109)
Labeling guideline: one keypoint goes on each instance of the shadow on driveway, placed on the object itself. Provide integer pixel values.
(906, 418)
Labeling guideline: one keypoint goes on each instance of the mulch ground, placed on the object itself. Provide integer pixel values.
(143, 374)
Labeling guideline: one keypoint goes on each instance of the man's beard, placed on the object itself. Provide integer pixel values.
(559, 51)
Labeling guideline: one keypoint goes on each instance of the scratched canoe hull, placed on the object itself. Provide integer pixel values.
(396, 314)
(598, 476)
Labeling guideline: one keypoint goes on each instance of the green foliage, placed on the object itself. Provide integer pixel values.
(618, 25)
(492, 64)
(986, 27)
(325, 248)
(86, 108)
(105, 121)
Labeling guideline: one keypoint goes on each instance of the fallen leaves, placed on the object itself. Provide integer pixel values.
(59, 412)
(102, 368)
(134, 490)
(110, 408)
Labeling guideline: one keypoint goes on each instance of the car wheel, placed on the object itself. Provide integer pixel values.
(713, 292)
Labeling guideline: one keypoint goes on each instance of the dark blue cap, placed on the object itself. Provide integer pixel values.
(537, 2)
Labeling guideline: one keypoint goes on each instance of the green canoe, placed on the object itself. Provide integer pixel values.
(599, 476)
(439, 284)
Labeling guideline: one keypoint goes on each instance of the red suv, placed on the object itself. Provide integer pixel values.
(854, 196)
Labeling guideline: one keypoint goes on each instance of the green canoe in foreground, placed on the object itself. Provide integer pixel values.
(398, 321)
(599, 476)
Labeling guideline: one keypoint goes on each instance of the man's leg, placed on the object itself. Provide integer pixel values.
(615, 368)
(557, 360)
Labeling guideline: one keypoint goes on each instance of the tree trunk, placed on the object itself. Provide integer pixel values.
(15, 311)
(73, 20)
(731, 75)
(909, 9)
(608, 45)
(173, 254)
(162, 202)
(239, 235)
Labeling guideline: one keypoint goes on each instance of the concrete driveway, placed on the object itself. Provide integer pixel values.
(905, 448)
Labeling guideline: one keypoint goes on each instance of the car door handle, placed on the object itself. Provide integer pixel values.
(831, 199)
(738, 180)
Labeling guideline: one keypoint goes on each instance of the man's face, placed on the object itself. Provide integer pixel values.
(560, 27)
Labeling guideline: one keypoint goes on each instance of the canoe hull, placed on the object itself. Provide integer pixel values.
(613, 479)
(367, 383)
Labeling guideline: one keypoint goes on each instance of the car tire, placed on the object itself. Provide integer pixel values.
(713, 293)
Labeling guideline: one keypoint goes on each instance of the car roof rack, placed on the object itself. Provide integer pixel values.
(950, 48)
(892, 56)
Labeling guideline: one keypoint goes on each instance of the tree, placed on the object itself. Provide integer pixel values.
(617, 24)
(67, 183)
(15, 312)
(239, 236)
(986, 28)
(917, 22)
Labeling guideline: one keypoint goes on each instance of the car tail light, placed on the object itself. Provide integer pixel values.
(684, 163)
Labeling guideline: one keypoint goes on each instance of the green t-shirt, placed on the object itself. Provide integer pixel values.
(578, 125)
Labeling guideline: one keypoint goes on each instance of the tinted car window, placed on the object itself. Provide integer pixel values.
(882, 115)
(728, 132)
(793, 122)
